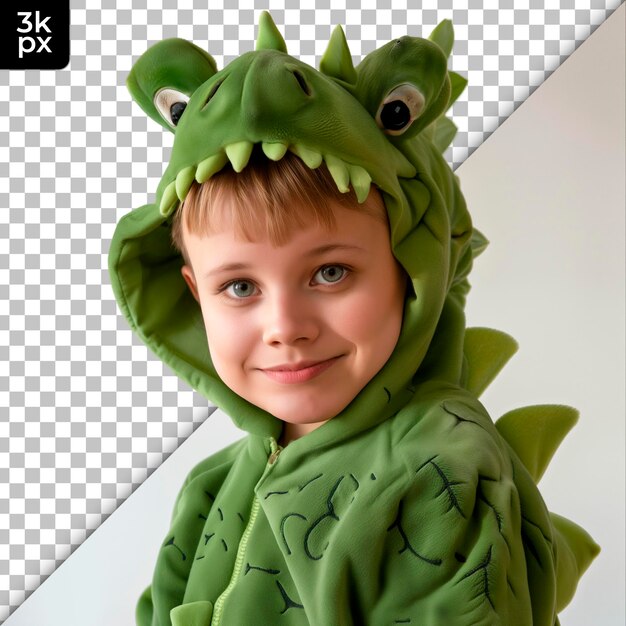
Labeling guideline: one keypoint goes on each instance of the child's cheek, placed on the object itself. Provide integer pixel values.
(229, 339)
(368, 312)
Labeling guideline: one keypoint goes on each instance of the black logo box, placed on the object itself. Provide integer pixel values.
(35, 35)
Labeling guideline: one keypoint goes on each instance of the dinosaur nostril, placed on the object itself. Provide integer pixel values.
(302, 82)
(214, 89)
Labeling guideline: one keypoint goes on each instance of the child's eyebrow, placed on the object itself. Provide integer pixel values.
(333, 247)
(227, 267)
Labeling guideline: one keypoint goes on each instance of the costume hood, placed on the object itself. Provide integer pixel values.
(379, 123)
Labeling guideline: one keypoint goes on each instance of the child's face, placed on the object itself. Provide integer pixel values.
(299, 329)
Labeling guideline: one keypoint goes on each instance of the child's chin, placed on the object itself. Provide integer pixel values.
(302, 404)
(299, 413)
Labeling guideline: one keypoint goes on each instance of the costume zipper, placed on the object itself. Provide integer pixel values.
(218, 609)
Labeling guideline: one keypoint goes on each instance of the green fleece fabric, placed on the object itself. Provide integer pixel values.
(411, 506)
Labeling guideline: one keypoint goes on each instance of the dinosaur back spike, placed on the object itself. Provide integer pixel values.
(535, 433)
(457, 86)
(575, 550)
(487, 351)
(443, 133)
(479, 242)
(443, 130)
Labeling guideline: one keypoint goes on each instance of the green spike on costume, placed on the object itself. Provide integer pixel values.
(444, 132)
(577, 550)
(269, 37)
(487, 351)
(443, 36)
(457, 86)
(337, 60)
(457, 531)
(479, 242)
(535, 433)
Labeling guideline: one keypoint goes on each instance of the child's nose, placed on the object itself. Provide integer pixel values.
(289, 320)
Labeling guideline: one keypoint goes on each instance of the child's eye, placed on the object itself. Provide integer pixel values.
(330, 274)
(240, 289)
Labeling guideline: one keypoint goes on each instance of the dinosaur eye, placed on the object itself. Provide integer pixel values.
(170, 104)
(399, 109)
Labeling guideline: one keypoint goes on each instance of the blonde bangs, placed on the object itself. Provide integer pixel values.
(260, 202)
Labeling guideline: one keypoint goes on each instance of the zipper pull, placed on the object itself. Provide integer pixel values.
(274, 456)
(276, 450)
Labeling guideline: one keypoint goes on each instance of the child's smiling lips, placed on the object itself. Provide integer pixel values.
(299, 372)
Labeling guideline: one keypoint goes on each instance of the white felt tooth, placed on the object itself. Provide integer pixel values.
(339, 171)
(360, 180)
(311, 158)
(169, 200)
(183, 181)
(211, 165)
(239, 154)
(274, 151)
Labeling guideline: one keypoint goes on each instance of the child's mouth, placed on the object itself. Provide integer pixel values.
(303, 371)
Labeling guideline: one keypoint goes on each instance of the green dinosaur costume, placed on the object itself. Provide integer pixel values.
(411, 506)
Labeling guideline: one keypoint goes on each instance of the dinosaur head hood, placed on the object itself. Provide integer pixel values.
(380, 123)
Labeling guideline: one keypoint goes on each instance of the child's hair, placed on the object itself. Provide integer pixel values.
(260, 200)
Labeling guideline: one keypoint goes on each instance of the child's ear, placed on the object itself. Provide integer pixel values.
(190, 279)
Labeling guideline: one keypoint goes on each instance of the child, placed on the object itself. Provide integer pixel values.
(315, 291)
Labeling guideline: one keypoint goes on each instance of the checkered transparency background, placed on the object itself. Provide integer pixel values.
(86, 412)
